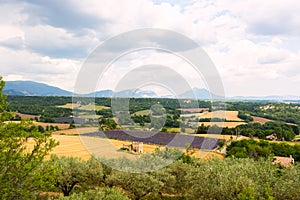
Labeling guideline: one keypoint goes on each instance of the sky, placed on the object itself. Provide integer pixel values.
(255, 45)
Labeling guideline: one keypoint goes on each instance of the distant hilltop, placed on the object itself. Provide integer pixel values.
(31, 88)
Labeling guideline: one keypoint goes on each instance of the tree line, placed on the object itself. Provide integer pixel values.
(283, 131)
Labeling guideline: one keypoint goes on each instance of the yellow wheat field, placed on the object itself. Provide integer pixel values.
(222, 124)
(228, 115)
(44, 125)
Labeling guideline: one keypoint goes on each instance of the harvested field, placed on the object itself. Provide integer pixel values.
(44, 125)
(84, 147)
(193, 110)
(60, 126)
(27, 116)
(76, 131)
(75, 146)
(218, 136)
(223, 124)
(228, 115)
(260, 120)
(206, 155)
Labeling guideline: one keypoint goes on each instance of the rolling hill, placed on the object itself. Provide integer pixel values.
(30, 88)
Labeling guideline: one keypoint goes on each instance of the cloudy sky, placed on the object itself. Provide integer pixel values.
(255, 45)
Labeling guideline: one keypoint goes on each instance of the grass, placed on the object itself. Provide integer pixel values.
(89, 107)
(142, 112)
(70, 105)
(174, 130)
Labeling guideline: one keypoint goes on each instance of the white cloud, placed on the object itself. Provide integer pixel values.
(268, 17)
(58, 42)
(23, 65)
(249, 41)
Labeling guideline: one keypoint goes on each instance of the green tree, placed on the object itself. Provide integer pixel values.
(98, 194)
(107, 124)
(139, 185)
(75, 172)
(231, 179)
(22, 173)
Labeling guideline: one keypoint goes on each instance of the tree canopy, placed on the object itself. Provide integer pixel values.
(22, 151)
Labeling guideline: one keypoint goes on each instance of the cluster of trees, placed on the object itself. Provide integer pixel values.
(246, 117)
(230, 178)
(22, 172)
(107, 124)
(141, 119)
(288, 113)
(256, 149)
(105, 113)
(282, 131)
(44, 107)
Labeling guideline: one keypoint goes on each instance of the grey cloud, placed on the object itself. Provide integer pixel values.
(274, 18)
(278, 27)
(54, 28)
(59, 43)
(60, 14)
(148, 38)
(15, 43)
(271, 59)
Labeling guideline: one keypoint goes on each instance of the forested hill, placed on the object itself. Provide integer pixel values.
(30, 88)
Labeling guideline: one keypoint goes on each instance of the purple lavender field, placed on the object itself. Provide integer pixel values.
(160, 138)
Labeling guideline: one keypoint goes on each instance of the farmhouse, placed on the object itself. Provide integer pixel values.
(272, 137)
(134, 146)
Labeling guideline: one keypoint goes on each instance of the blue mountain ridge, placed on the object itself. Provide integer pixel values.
(31, 88)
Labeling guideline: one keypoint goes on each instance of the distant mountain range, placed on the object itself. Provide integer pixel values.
(30, 88)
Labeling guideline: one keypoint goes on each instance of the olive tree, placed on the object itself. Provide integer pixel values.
(98, 194)
(76, 172)
(139, 185)
(22, 151)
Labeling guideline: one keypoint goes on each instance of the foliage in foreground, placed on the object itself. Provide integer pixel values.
(22, 171)
(230, 178)
(97, 194)
(256, 149)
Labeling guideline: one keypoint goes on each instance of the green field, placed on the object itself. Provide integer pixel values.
(93, 107)
(142, 112)
(89, 107)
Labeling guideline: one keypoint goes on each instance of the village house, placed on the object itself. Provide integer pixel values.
(272, 137)
(134, 146)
